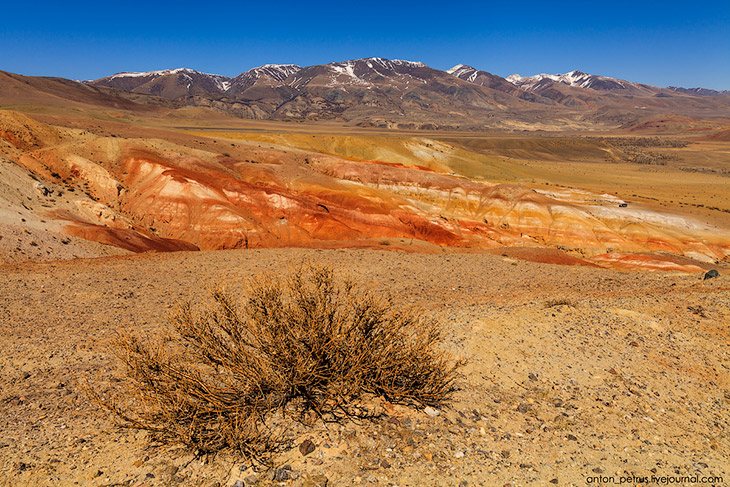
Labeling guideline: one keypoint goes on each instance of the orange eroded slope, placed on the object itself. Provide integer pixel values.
(274, 197)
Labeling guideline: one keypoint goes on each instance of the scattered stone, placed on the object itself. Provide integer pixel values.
(384, 463)
(251, 480)
(505, 453)
(431, 411)
(463, 483)
(43, 190)
(523, 407)
(634, 344)
(554, 481)
(239, 483)
(306, 447)
(600, 470)
(711, 273)
(281, 474)
(459, 454)
(572, 438)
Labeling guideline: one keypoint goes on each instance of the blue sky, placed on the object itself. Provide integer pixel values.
(660, 43)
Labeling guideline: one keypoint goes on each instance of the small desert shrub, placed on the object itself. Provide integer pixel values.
(552, 303)
(235, 375)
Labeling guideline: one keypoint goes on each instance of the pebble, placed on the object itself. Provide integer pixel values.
(431, 411)
(306, 447)
(281, 474)
(459, 454)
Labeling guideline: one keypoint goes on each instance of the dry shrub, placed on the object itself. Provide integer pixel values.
(552, 303)
(236, 376)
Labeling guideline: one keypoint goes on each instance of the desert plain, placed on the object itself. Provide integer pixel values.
(567, 266)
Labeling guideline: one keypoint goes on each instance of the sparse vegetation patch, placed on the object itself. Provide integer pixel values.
(633, 149)
(236, 375)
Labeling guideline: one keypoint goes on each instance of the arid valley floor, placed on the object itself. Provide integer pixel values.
(565, 263)
(573, 372)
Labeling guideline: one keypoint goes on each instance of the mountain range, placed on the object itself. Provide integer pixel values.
(173, 83)
(398, 94)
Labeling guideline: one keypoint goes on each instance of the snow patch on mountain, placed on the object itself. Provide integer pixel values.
(464, 72)
(347, 69)
(353, 72)
(279, 72)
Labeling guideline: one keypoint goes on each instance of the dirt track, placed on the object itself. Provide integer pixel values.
(629, 374)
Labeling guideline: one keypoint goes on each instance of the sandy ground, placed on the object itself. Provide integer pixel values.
(574, 373)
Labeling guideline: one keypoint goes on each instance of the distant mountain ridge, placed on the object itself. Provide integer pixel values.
(277, 74)
(170, 83)
(385, 92)
(699, 91)
(576, 79)
(493, 81)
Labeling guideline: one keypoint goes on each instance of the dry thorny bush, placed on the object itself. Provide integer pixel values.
(234, 376)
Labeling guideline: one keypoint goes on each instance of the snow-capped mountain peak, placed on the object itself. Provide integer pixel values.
(167, 82)
(382, 62)
(162, 72)
(575, 78)
(464, 72)
(458, 68)
(365, 71)
(279, 72)
(268, 74)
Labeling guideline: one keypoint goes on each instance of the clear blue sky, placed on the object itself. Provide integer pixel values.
(660, 43)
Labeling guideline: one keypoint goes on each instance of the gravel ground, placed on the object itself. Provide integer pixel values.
(573, 373)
